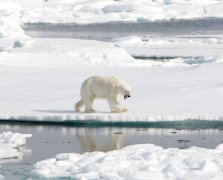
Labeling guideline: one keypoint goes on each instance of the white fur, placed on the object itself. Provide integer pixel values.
(104, 88)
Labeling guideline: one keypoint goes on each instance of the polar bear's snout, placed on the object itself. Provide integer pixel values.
(127, 95)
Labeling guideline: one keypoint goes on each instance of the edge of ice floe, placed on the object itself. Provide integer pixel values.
(118, 120)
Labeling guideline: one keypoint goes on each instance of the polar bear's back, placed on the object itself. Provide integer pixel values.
(96, 86)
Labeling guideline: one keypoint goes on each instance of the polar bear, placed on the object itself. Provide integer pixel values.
(103, 88)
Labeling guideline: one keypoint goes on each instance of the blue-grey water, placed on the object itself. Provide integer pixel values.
(107, 31)
(49, 140)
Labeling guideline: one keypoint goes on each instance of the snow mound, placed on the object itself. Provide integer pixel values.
(63, 53)
(15, 140)
(10, 13)
(136, 162)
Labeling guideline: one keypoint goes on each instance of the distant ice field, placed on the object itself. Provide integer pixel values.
(179, 42)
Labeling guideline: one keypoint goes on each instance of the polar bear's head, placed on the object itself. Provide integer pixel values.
(120, 87)
(123, 88)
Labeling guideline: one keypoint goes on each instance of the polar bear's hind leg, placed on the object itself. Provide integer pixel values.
(78, 105)
(88, 105)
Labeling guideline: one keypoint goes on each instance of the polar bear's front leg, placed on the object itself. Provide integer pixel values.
(112, 103)
(115, 106)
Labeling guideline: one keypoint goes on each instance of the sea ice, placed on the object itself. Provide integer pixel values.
(11, 144)
(167, 47)
(48, 73)
(141, 161)
(60, 11)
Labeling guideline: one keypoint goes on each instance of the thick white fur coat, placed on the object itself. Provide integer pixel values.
(104, 88)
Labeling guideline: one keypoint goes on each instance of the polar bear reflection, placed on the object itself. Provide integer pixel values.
(103, 88)
(100, 139)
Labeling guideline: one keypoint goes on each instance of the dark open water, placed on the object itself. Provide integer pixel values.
(107, 31)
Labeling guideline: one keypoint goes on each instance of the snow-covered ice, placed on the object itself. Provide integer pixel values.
(183, 46)
(11, 144)
(41, 81)
(96, 11)
(58, 53)
(141, 161)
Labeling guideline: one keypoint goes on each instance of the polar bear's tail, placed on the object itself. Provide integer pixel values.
(78, 105)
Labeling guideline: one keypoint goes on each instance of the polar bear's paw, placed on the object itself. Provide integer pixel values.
(90, 110)
(119, 110)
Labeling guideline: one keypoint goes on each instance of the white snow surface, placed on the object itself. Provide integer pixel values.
(141, 161)
(41, 81)
(97, 11)
(13, 13)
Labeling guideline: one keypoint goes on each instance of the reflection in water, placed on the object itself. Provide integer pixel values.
(90, 141)
(87, 139)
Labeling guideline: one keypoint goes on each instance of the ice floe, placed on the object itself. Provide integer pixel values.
(41, 81)
(141, 161)
(10, 145)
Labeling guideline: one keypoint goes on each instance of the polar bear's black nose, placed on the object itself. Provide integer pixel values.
(126, 96)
